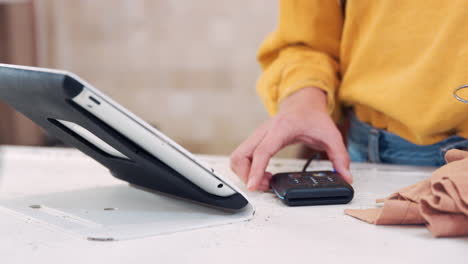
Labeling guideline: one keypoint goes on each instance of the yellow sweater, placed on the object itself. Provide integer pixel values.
(396, 62)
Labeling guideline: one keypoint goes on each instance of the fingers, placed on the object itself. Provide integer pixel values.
(338, 155)
(270, 145)
(265, 184)
(455, 154)
(240, 165)
(241, 158)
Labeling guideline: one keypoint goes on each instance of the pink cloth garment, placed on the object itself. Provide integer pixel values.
(440, 202)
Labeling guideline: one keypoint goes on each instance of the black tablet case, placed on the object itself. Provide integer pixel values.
(45, 96)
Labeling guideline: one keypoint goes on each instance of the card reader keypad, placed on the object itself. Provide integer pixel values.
(311, 179)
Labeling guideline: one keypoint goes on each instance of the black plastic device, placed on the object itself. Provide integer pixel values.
(45, 96)
(311, 188)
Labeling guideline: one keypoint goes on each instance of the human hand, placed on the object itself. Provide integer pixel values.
(302, 117)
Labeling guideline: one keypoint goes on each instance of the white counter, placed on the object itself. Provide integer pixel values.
(277, 234)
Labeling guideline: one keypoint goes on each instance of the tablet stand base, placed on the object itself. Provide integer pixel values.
(117, 212)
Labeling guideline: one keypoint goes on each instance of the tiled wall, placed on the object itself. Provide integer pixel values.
(186, 66)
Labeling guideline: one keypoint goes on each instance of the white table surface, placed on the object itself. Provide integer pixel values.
(277, 234)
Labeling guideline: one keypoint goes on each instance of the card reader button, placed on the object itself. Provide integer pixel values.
(311, 180)
(295, 178)
(295, 181)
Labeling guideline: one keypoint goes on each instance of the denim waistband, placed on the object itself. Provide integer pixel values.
(381, 146)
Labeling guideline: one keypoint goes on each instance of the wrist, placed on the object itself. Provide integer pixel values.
(310, 97)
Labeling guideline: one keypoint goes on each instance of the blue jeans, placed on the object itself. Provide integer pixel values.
(369, 144)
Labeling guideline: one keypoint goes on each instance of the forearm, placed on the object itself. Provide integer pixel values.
(302, 52)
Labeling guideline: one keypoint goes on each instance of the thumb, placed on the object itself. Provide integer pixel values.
(339, 157)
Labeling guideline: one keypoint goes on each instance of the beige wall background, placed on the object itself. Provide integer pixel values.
(188, 67)
(17, 46)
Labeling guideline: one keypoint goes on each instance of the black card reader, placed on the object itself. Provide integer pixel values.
(311, 188)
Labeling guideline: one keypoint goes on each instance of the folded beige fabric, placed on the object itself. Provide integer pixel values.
(440, 202)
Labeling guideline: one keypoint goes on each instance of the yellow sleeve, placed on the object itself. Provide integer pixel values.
(302, 52)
